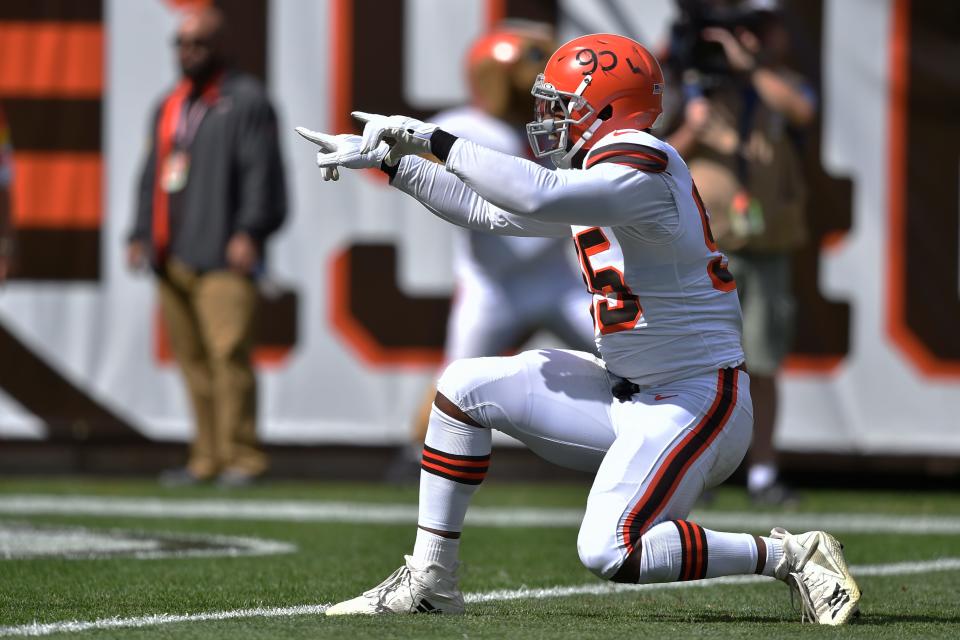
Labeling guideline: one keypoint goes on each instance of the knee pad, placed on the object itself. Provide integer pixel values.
(598, 553)
(493, 391)
(459, 378)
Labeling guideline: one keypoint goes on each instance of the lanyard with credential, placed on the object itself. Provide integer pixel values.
(191, 115)
(188, 119)
(172, 162)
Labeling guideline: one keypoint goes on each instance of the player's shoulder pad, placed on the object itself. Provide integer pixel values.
(632, 148)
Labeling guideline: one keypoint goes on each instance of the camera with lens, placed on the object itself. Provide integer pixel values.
(701, 61)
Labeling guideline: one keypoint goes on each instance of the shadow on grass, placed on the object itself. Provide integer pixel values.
(879, 620)
(611, 615)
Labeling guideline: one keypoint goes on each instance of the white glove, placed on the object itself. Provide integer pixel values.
(406, 136)
(342, 151)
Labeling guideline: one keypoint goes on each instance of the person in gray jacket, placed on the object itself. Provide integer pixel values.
(211, 193)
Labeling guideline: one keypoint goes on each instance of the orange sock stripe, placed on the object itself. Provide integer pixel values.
(691, 551)
(700, 571)
(683, 549)
(451, 472)
(442, 459)
(688, 550)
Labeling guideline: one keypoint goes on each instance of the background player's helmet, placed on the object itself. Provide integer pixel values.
(504, 63)
(591, 86)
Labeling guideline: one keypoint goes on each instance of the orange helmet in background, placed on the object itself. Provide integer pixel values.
(504, 63)
(591, 86)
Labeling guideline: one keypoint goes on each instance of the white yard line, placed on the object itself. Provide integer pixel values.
(46, 629)
(372, 513)
(600, 588)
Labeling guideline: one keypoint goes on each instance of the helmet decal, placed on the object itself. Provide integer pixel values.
(593, 59)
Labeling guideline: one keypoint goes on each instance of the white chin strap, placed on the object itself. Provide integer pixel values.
(564, 161)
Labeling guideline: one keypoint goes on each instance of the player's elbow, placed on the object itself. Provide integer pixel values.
(537, 199)
(529, 205)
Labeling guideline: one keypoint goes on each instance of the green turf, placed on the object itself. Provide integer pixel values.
(338, 560)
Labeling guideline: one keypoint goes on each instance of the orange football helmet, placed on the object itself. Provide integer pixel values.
(591, 86)
(503, 63)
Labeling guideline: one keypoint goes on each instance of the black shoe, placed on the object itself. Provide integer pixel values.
(236, 479)
(179, 477)
(775, 495)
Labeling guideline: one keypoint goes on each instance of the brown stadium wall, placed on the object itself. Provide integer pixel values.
(360, 279)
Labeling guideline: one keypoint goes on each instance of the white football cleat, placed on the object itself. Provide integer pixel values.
(815, 570)
(416, 587)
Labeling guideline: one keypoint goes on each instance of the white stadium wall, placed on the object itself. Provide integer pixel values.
(340, 381)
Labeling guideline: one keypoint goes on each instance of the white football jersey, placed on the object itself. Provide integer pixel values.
(664, 305)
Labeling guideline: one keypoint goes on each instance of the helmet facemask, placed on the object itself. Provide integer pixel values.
(549, 133)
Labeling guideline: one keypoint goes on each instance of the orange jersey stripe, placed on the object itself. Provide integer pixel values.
(57, 190)
(51, 59)
(638, 156)
(704, 219)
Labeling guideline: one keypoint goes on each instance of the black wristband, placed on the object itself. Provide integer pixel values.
(391, 171)
(441, 143)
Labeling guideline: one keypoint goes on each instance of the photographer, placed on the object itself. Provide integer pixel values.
(739, 125)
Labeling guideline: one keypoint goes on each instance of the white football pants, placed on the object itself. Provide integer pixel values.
(653, 455)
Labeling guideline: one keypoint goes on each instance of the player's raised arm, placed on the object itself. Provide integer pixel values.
(442, 193)
(605, 196)
(608, 196)
(447, 197)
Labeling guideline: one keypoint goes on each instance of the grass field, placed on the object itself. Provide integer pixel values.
(522, 576)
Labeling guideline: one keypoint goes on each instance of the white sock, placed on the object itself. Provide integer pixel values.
(455, 461)
(682, 550)
(761, 476)
(774, 555)
(436, 549)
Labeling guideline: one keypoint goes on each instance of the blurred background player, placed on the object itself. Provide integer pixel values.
(6, 214)
(211, 193)
(739, 125)
(507, 287)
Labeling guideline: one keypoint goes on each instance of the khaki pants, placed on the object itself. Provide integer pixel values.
(210, 319)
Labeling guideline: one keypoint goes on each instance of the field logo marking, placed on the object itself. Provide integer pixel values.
(20, 540)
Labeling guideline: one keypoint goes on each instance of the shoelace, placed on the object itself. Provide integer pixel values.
(387, 587)
(808, 613)
(831, 600)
